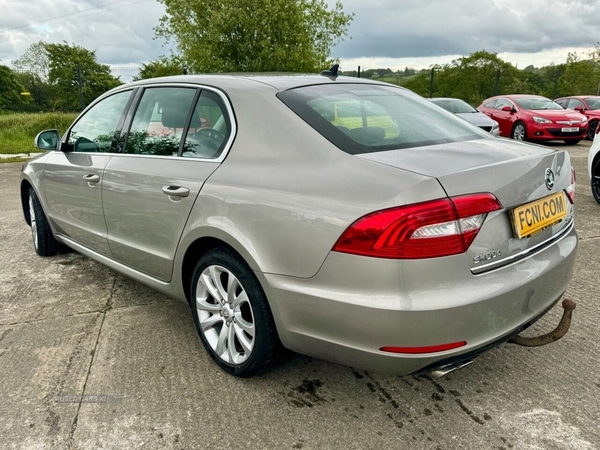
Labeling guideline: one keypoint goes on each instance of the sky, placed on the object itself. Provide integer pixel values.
(384, 33)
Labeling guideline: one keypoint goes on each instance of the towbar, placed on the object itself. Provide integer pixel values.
(554, 335)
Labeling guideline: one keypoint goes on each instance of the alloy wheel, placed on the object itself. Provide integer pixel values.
(519, 132)
(592, 130)
(225, 314)
(33, 222)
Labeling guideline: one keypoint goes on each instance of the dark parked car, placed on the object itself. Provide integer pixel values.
(346, 219)
(588, 105)
(535, 118)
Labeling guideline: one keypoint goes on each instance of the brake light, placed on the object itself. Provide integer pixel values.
(571, 188)
(431, 229)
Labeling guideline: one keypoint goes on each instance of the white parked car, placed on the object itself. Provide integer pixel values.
(594, 165)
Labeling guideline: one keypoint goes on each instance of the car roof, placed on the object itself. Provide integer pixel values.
(580, 97)
(278, 81)
(446, 98)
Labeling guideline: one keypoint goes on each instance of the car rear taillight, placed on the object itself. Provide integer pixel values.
(423, 230)
(571, 188)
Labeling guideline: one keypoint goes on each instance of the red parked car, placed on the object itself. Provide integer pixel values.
(588, 105)
(535, 118)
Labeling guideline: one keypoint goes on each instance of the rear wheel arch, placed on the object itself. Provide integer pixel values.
(196, 250)
(25, 187)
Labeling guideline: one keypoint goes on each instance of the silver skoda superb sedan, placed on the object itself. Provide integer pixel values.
(342, 218)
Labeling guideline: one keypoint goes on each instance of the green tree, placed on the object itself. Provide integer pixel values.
(162, 67)
(580, 76)
(254, 35)
(34, 60)
(10, 90)
(478, 76)
(71, 63)
(420, 82)
(32, 69)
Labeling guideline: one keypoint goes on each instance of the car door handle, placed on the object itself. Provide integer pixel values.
(91, 178)
(176, 191)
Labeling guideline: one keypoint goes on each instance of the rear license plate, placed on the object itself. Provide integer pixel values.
(535, 216)
(569, 129)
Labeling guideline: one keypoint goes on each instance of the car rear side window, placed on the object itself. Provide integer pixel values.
(209, 128)
(363, 118)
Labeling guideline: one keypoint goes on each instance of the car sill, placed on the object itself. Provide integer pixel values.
(117, 266)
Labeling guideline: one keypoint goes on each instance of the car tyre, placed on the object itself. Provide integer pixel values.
(572, 141)
(591, 132)
(596, 180)
(43, 239)
(519, 132)
(232, 314)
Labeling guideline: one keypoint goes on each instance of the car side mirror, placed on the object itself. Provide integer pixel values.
(579, 108)
(507, 108)
(47, 140)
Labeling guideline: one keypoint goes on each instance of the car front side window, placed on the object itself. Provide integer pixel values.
(95, 130)
(159, 121)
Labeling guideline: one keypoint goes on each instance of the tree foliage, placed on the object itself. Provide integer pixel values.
(10, 90)
(71, 63)
(35, 61)
(254, 35)
(162, 67)
(581, 76)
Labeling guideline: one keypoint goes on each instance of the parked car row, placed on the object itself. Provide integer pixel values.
(531, 117)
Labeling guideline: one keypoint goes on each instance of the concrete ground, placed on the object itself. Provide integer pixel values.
(90, 359)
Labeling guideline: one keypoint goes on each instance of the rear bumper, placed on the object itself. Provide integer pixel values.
(356, 305)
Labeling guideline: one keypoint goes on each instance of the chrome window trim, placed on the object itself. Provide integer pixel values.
(201, 87)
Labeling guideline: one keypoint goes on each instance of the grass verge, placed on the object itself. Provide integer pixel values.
(18, 130)
(12, 160)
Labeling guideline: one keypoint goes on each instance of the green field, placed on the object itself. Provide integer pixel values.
(17, 130)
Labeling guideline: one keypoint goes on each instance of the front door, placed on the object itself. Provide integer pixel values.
(73, 176)
(176, 140)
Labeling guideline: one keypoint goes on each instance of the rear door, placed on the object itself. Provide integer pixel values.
(73, 176)
(177, 137)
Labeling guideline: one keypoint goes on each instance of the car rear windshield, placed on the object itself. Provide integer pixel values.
(363, 118)
(455, 106)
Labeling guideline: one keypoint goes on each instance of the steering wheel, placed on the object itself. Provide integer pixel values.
(210, 133)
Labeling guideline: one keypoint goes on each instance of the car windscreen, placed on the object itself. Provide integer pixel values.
(537, 103)
(455, 106)
(593, 102)
(363, 118)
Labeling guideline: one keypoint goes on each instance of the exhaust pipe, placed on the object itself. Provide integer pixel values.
(444, 370)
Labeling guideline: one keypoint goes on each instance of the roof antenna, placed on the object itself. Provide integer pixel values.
(333, 72)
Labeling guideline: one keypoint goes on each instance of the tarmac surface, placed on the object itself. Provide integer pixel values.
(90, 359)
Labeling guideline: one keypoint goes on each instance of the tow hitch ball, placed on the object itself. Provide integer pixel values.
(554, 335)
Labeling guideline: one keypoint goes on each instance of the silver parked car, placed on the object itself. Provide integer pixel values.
(465, 111)
(344, 218)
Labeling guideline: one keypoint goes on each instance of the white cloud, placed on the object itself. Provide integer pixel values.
(385, 33)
